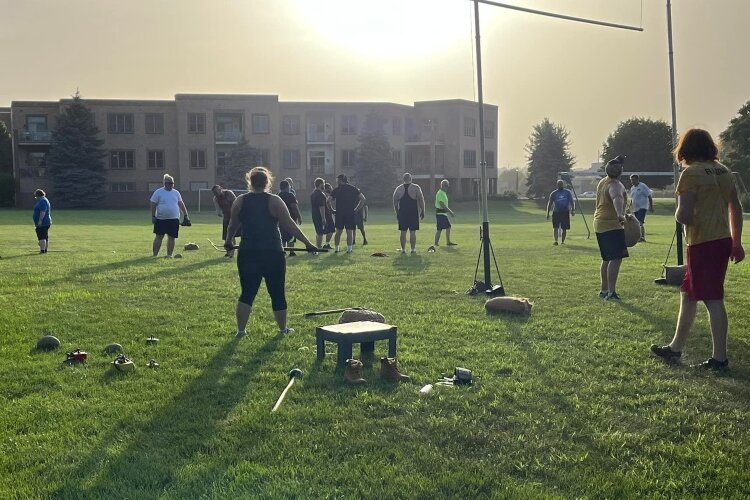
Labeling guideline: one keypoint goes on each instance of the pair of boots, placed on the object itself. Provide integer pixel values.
(388, 371)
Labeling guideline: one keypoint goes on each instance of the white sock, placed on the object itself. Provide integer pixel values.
(337, 248)
(350, 247)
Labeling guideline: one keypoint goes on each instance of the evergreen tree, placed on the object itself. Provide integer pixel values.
(7, 185)
(648, 146)
(75, 158)
(735, 151)
(374, 171)
(241, 159)
(548, 152)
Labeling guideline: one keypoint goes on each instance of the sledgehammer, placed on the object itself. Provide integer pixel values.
(294, 373)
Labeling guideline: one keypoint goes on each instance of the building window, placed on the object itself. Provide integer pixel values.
(291, 158)
(470, 158)
(411, 128)
(317, 163)
(197, 158)
(396, 155)
(396, 125)
(489, 130)
(36, 159)
(154, 123)
(223, 158)
(197, 186)
(261, 124)
(470, 127)
(120, 123)
(197, 123)
(36, 123)
(291, 125)
(489, 157)
(264, 158)
(429, 124)
(347, 158)
(156, 160)
(411, 160)
(119, 160)
(122, 187)
(348, 125)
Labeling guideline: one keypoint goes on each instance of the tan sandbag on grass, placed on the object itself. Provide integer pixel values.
(515, 305)
(352, 315)
(191, 245)
(675, 275)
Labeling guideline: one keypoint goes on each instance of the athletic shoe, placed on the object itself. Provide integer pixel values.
(286, 331)
(349, 251)
(665, 352)
(712, 364)
(413, 250)
(554, 244)
(400, 250)
(240, 334)
(364, 243)
(292, 254)
(603, 294)
(336, 251)
(327, 246)
(642, 239)
(168, 257)
(451, 244)
(612, 296)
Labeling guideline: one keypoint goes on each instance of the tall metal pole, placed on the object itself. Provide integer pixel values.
(678, 226)
(482, 162)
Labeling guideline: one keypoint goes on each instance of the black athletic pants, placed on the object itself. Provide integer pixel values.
(256, 265)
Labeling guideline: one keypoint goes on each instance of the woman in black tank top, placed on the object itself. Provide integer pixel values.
(261, 255)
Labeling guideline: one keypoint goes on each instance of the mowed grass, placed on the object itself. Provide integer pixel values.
(566, 403)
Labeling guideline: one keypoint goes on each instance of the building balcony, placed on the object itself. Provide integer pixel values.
(229, 136)
(34, 138)
(319, 138)
(423, 140)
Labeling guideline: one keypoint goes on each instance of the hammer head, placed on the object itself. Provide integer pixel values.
(295, 373)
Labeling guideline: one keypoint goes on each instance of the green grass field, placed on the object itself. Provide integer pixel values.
(567, 403)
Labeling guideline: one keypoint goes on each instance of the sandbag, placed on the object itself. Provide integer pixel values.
(352, 315)
(515, 305)
(632, 230)
(191, 245)
(48, 343)
(675, 275)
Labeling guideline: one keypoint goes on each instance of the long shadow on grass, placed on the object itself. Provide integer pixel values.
(411, 263)
(172, 438)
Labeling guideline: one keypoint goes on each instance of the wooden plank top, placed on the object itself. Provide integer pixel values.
(357, 327)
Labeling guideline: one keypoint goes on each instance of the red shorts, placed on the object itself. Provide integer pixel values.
(706, 269)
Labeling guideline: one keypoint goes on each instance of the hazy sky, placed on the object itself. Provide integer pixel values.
(584, 77)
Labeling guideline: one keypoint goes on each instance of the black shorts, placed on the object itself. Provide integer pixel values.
(170, 227)
(320, 227)
(443, 222)
(612, 244)
(256, 265)
(345, 220)
(561, 220)
(408, 222)
(225, 226)
(359, 221)
(640, 215)
(42, 232)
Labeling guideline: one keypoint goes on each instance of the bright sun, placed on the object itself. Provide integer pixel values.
(389, 28)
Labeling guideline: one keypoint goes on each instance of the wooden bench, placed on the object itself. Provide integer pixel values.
(364, 333)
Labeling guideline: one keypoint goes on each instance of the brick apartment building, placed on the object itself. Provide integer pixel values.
(190, 137)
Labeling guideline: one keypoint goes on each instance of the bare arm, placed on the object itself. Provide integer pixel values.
(549, 205)
(234, 221)
(396, 199)
(420, 201)
(278, 209)
(685, 208)
(218, 208)
(650, 204)
(153, 209)
(618, 199)
(735, 221)
(361, 203)
(183, 208)
(364, 215)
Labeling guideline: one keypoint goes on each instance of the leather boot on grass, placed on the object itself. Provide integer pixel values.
(389, 370)
(353, 372)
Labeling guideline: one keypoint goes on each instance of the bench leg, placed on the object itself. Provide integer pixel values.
(392, 347)
(321, 347)
(344, 353)
(367, 349)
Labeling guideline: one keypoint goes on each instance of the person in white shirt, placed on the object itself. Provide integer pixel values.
(166, 205)
(640, 200)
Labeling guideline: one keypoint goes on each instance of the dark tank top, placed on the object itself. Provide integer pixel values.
(407, 206)
(260, 229)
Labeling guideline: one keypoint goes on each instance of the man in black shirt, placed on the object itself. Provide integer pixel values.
(349, 200)
(318, 205)
(291, 203)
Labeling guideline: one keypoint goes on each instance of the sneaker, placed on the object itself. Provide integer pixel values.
(400, 250)
(712, 364)
(349, 251)
(612, 296)
(292, 254)
(554, 244)
(327, 246)
(451, 244)
(286, 331)
(413, 250)
(168, 257)
(364, 243)
(603, 294)
(240, 334)
(665, 352)
(336, 251)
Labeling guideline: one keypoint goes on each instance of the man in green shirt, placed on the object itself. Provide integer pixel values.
(441, 213)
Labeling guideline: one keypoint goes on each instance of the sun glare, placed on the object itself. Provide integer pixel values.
(388, 28)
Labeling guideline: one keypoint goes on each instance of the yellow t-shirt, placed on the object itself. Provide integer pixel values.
(712, 183)
(605, 216)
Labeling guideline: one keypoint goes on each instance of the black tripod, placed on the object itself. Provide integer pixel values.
(480, 286)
